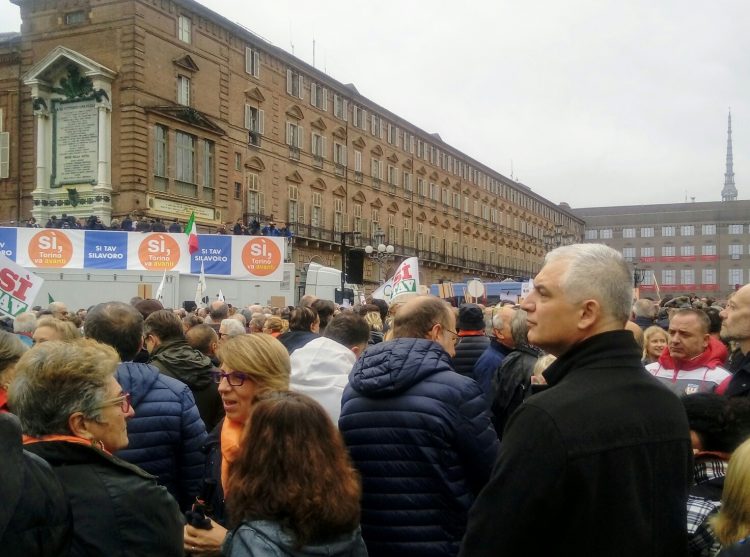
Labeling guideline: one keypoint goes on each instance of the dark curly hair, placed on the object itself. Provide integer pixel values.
(293, 469)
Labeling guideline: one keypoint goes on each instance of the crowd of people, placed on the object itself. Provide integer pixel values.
(578, 422)
(140, 223)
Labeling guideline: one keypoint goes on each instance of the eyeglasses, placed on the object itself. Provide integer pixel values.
(123, 401)
(454, 334)
(235, 378)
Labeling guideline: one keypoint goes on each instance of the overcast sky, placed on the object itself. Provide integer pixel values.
(595, 102)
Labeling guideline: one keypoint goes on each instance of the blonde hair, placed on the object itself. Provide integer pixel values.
(732, 524)
(66, 330)
(374, 321)
(274, 323)
(262, 357)
(647, 334)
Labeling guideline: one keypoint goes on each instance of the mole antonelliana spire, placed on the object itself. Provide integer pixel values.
(729, 191)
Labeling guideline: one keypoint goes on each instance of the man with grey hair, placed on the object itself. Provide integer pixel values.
(512, 380)
(229, 328)
(605, 449)
(497, 327)
(24, 326)
(58, 310)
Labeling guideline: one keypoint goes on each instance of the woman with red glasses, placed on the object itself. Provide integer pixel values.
(251, 365)
(73, 413)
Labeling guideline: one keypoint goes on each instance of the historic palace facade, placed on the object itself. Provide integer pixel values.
(161, 107)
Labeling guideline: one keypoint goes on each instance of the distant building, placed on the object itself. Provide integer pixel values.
(162, 107)
(681, 247)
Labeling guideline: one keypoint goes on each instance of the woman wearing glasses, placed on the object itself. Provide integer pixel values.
(73, 413)
(251, 365)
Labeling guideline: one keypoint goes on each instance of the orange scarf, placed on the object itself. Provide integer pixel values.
(231, 433)
(28, 440)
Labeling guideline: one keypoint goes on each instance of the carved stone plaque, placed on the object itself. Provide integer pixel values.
(76, 139)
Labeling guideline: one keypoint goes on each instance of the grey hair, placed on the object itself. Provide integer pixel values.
(596, 271)
(644, 308)
(24, 322)
(232, 327)
(519, 329)
(57, 379)
(493, 319)
(11, 350)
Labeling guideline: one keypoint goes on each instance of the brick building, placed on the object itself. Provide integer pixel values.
(194, 112)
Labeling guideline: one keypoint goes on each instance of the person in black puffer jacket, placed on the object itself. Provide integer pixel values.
(472, 339)
(420, 435)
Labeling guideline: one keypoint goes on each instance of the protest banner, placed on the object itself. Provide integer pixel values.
(18, 287)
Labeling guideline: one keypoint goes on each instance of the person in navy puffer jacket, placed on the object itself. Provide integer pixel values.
(167, 434)
(420, 435)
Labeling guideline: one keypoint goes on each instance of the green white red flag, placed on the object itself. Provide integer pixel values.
(192, 234)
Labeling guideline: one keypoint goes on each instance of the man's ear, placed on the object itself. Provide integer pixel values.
(79, 426)
(357, 349)
(590, 312)
(434, 332)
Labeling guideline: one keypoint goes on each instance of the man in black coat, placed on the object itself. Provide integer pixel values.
(597, 464)
(472, 340)
(736, 326)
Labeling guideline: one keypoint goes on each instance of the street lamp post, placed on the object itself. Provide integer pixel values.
(638, 276)
(352, 233)
(380, 252)
(557, 238)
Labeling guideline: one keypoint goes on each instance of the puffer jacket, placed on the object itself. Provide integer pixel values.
(166, 434)
(263, 537)
(176, 358)
(35, 520)
(470, 347)
(421, 437)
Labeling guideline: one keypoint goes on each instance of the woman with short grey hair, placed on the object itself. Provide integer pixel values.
(73, 413)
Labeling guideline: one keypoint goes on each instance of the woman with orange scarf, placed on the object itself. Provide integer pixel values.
(251, 365)
(73, 413)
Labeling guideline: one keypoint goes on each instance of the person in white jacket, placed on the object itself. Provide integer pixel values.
(320, 369)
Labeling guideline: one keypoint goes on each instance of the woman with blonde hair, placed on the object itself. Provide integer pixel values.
(294, 489)
(732, 523)
(273, 326)
(51, 328)
(654, 341)
(251, 365)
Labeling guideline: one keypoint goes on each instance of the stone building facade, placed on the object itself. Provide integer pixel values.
(194, 112)
(678, 247)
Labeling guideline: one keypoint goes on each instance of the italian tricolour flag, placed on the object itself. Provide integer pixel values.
(192, 234)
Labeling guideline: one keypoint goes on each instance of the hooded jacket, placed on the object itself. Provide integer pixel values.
(166, 434)
(421, 437)
(266, 538)
(176, 358)
(702, 374)
(320, 369)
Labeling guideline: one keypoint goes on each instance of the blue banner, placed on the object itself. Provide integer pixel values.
(105, 250)
(8, 242)
(215, 251)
